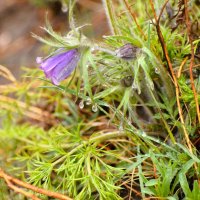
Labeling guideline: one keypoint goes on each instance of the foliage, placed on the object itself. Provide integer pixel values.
(112, 130)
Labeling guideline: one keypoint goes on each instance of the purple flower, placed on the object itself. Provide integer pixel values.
(58, 67)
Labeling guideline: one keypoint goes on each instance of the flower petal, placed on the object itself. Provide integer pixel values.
(52, 61)
(39, 60)
(59, 66)
(48, 71)
(65, 68)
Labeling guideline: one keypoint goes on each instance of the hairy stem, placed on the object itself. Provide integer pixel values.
(110, 16)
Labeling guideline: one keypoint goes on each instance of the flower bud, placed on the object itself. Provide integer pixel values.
(128, 51)
(127, 81)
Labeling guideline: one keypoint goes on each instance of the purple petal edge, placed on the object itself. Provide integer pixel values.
(64, 70)
(58, 67)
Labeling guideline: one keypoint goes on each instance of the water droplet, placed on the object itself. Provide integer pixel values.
(81, 104)
(150, 85)
(64, 8)
(157, 140)
(88, 101)
(94, 108)
(134, 86)
(143, 134)
(129, 123)
(92, 49)
(121, 128)
(157, 71)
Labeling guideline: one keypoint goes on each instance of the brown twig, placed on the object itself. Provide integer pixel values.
(135, 19)
(10, 180)
(177, 90)
(181, 67)
(132, 189)
(161, 12)
(188, 25)
(21, 191)
(130, 193)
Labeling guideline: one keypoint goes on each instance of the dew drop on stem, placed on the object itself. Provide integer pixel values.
(143, 134)
(94, 108)
(121, 127)
(81, 104)
(64, 8)
(88, 101)
(134, 86)
(157, 140)
(157, 71)
(129, 122)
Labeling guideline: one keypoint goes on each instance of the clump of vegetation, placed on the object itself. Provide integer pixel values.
(123, 125)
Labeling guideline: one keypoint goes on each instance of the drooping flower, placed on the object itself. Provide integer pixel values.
(58, 67)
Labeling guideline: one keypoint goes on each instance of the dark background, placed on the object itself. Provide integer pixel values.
(18, 18)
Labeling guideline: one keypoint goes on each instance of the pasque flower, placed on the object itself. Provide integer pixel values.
(127, 51)
(59, 66)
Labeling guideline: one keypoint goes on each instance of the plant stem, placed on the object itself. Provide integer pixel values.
(110, 16)
(165, 51)
(134, 18)
(188, 24)
(95, 140)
